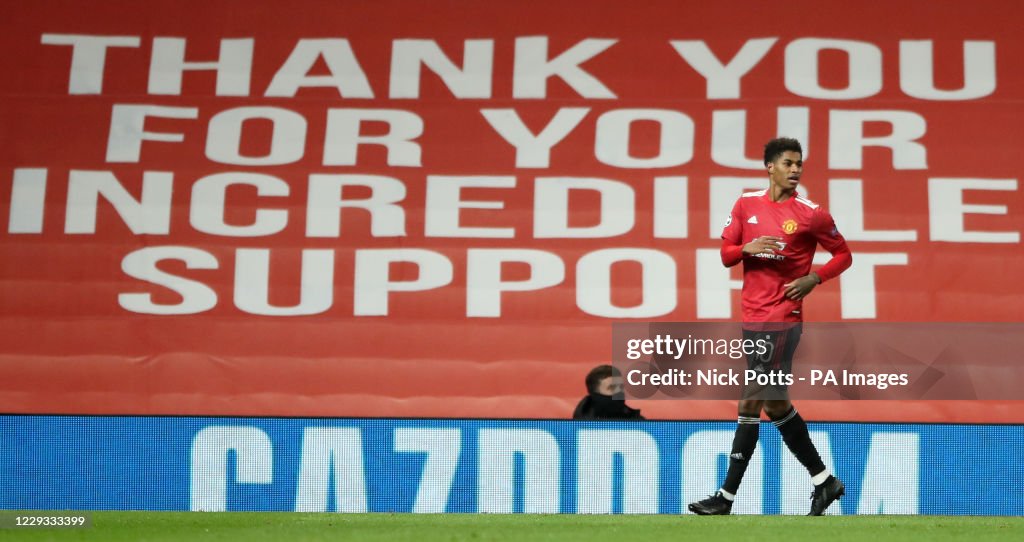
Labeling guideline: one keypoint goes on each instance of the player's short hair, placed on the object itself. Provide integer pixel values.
(599, 373)
(774, 148)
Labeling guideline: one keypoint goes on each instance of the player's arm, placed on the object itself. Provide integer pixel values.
(828, 236)
(733, 253)
(732, 235)
(733, 250)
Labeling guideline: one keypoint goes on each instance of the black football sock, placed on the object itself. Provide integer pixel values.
(798, 440)
(743, 445)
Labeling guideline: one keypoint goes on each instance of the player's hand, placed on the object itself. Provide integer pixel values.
(799, 288)
(766, 244)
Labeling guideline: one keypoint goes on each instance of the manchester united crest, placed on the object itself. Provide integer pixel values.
(789, 226)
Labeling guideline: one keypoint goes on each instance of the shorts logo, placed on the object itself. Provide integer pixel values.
(789, 226)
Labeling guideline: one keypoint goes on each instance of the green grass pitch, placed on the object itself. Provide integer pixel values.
(256, 527)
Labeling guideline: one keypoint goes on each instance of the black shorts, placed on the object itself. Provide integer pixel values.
(780, 341)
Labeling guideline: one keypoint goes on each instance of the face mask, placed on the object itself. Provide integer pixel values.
(608, 406)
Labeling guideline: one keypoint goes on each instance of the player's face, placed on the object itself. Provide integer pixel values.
(610, 386)
(785, 171)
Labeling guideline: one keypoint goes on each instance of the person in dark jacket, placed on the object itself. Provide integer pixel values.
(605, 398)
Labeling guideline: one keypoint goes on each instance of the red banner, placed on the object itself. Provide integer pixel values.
(393, 209)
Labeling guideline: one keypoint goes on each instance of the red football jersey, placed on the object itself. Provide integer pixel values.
(802, 225)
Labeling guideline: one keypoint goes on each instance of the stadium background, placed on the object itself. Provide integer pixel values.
(88, 329)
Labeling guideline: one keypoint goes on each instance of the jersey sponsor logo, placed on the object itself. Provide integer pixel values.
(789, 226)
(728, 221)
(775, 256)
(752, 220)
